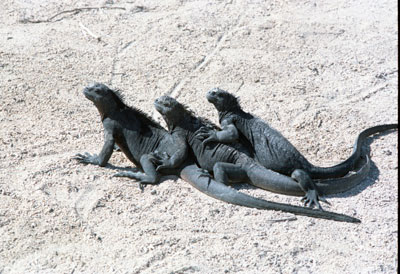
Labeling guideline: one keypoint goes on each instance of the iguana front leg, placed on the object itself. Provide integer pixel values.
(103, 157)
(177, 158)
(228, 134)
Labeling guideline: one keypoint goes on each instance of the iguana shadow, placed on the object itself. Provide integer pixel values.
(373, 174)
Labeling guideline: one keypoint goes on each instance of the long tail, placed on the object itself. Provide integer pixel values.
(344, 167)
(191, 174)
(278, 183)
(342, 184)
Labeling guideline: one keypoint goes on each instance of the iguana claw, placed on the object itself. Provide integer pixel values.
(138, 176)
(161, 159)
(312, 198)
(86, 158)
(203, 133)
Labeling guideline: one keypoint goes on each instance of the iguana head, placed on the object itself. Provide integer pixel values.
(166, 104)
(105, 99)
(169, 108)
(177, 114)
(222, 100)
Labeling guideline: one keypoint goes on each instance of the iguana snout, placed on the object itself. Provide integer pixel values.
(213, 94)
(96, 91)
(164, 104)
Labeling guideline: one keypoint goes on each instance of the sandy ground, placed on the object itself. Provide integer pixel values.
(318, 71)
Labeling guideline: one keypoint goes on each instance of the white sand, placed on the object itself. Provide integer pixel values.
(318, 71)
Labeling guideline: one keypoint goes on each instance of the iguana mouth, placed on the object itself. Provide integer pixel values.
(159, 106)
(90, 89)
(211, 95)
(163, 105)
(86, 92)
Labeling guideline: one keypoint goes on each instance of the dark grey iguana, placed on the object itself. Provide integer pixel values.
(137, 135)
(148, 145)
(225, 162)
(271, 149)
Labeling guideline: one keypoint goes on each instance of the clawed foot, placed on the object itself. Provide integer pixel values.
(138, 176)
(206, 135)
(161, 159)
(203, 133)
(159, 156)
(87, 158)
(312, 199)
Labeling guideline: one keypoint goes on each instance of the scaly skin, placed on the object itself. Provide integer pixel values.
(153, 149)
(143, 141)
(274, 151)
(227, 163)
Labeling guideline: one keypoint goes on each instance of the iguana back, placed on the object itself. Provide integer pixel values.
(271, 148)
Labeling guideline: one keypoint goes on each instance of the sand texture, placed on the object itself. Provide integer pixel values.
(318, 71)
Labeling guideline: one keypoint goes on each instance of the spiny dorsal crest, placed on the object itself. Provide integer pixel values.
(119, 99)
(203, 120)
(229, 99)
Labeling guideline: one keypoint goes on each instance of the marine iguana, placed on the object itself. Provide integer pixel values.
(139, 137)
(271, 149)
(226, 163)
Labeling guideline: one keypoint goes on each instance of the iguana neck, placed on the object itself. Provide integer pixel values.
(109, 110)
(176, 121)
(226, 113)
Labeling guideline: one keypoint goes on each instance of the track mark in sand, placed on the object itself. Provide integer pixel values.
(159, 256)
(360, 95)
(118, 52)
(85, 203)
(113, 66)
(204, 61)
(240, 86)
(174, 91)
(351, 99)
(67, 13)
(127, 45)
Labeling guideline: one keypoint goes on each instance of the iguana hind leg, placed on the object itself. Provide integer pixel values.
(227, 173)
(311, 196)
(267, 179)
(149, 174)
